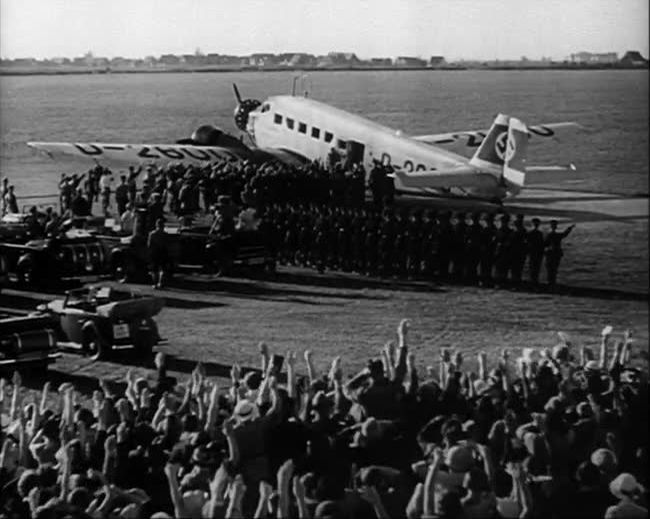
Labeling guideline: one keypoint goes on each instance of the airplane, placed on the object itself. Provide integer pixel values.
(297, 129)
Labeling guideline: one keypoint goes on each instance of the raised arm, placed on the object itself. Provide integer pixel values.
(311, 372)
(171, 471)
(602, 361)
(402, 333)
(283, 480)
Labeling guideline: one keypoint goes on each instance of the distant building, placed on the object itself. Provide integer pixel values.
(169, 59)
(340, 59)
(380, 62)
(633, 58)
(262, 59)
(407, 61)
(590, 58)
(437, 61)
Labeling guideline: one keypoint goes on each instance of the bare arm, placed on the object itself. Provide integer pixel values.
(284, 477)
(311, 372)
(171, 471)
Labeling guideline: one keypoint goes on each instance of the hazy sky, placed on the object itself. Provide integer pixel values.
(483, 29)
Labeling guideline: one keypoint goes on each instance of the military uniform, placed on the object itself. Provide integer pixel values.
(502, 260)
(535, 245)
(518, 250)
(553, 250)
(473, 249)
(488, 248)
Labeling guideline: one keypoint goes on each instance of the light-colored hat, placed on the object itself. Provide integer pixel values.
(592, 365)
(625, 485)
(245, 411)
(604, 459)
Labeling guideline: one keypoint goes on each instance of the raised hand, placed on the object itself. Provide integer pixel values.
(298, 488)
(159, 360)
(16, 380)
(403, 327)
(307, 356)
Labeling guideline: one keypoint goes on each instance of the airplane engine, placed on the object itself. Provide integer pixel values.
(244, 107)
(207, 135)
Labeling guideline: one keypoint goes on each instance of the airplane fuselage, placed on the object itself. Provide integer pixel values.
(311, 129)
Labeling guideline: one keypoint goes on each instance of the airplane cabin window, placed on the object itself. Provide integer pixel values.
(265, 107)
(302, 127)
(289, 123)
(341, 144)
(328, 137)
(277, 119)
(315, 133)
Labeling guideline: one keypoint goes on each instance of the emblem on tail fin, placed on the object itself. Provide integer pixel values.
(490, 155)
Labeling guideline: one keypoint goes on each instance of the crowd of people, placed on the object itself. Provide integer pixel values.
(315, 215)
(559, 432)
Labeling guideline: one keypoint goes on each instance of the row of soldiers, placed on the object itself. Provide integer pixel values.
(410, 243)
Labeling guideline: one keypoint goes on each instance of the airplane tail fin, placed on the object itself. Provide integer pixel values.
(514, 167)
(490, 155)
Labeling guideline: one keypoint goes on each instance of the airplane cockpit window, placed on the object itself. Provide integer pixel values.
(302, 127)
(289, 123)
(328, 137)
(277, 119)
(265, 107)
(315, 132)
(341, 144)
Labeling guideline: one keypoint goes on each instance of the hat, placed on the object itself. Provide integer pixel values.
(536, 221)
(604, 459)
(625, 485)
(223, 200)
(245, 411)
(459, 458)
(204, 457)
(592, 365)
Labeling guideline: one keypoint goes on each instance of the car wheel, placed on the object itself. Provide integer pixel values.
(118, 269)
(92, 344)
(25, 273)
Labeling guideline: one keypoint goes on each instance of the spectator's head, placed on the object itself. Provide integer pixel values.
(605, 461)
(376, 369)
(459, 459)
(587, 474)
(625, 486)
(245, 411)
(193, 501)
(79, 498)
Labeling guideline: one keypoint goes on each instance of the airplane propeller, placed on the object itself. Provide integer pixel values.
(243, 109)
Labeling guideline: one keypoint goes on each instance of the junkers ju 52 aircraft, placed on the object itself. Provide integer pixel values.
(294, 129)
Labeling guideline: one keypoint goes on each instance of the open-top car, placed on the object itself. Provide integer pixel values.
(98, 320)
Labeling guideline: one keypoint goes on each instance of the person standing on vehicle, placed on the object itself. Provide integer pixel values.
(121, 195)
(158, 253)
(105, 182)
(553, 249)
(10, 201)
(3, 191)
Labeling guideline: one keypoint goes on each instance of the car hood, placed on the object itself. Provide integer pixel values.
(133, 308)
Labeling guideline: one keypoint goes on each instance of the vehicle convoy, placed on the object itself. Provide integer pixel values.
(98, 320)
(190, 247)
(27, 344)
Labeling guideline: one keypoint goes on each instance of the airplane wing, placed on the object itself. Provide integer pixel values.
(131, 154)
(473, 138)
